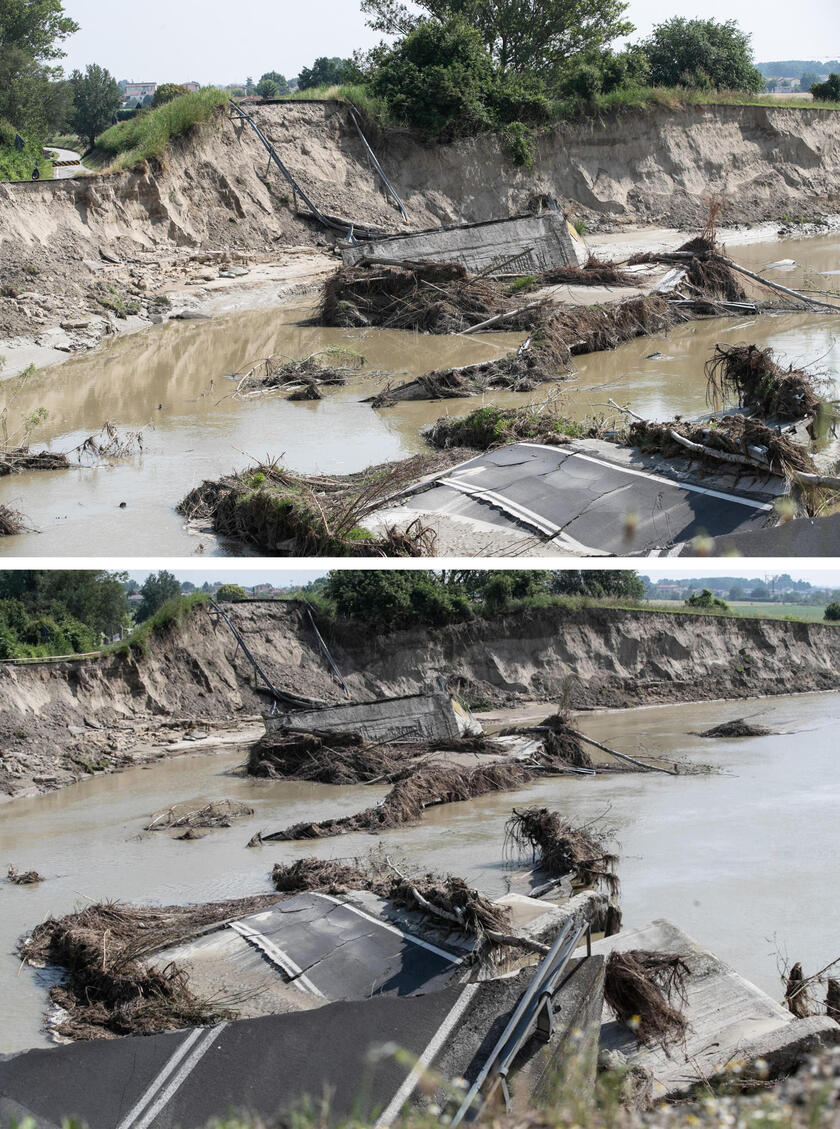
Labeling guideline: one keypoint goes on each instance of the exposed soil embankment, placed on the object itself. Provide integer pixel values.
(213, 194)
(60, 722)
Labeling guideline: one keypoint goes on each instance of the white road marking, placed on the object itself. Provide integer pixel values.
(180, 1078)
(651, 477)
(426, 1058)
(151, 1090)
(278, 957)
(451, 957)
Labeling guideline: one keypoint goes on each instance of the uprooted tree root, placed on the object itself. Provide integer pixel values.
(560, 849)
(110, 990)
(23, 877)
(642, 989)
(429, 297)
(595, 272)
(12, 522)
(733, 435)
(428, 786)
(301, 377)
(281, 512)
(707, 274)
(740, 727)
(107, 443)
(751, 378)
(218, 813)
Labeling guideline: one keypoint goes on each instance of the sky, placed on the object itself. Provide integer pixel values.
(235, 573)
(214, 41)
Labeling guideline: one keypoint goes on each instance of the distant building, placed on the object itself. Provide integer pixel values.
(193, 87)
(140, 89)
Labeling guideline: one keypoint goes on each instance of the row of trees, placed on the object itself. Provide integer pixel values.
(398, 599)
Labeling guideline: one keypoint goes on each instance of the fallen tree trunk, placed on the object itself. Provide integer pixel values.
(781, 289)
(622, 756)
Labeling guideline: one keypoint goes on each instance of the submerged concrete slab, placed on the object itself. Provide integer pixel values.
(804, 537)
(730, 1019)
(434, 717)
(527, 244)
(593, 498)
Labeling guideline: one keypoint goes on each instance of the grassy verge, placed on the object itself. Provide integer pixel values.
(147, 136)
(18, 164)
(173, 612)
(617, 102)
(801, 613)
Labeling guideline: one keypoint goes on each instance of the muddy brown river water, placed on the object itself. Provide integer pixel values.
(745, 860)
(171, 382)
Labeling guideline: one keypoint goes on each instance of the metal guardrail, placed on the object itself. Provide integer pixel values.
(533, 1015)
(291, 701)
(389, 188)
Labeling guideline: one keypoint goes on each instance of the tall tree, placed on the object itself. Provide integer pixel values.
(96, 97)
(702, 53)
(35, 26)
(323, 72)
(279, 81)
(157, 588)
(529, 37)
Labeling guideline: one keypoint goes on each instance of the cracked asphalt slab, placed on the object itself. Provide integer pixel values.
(589, 502)
(343, 1052)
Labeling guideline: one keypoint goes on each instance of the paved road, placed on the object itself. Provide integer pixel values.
(76, 169)
(586, 502)
(262, 1066)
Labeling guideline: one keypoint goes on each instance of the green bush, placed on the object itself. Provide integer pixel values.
(231, 593)
(832, 613)
(147, 136)
(828, 91)
(705, 599)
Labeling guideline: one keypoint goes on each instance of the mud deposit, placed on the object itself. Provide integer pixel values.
(722, 854)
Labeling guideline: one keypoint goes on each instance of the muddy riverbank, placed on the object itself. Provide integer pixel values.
(64, 721)
(682, 840)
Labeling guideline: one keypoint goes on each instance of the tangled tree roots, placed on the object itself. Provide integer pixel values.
(797, 997)
(751, 378)
(449, 899)
(24, 877)
(284, 513)
(731, 434)
(592, 329)
(561, 849)
(737, 728)
(219, 813)
(426, 787)
(641, 989)
(11, 522)
(19, 459)
(596, 272)
(325, 756)
(429, 297)
(110, 990)
(302, 377)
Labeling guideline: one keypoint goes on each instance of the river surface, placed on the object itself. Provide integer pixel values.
(172, 383)
(745, 860)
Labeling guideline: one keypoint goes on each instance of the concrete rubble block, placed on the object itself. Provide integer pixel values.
(731, 1021)
(434, 716)
(528, 244)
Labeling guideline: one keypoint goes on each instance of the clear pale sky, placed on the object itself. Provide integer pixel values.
(216, 41)
(228, 572)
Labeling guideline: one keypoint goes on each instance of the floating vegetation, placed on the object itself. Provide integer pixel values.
(11, 522)
(302, 378)
(218, 813)
(24, 877)
(560, 849)
(751, 378)
(738, 728)
(491, 426)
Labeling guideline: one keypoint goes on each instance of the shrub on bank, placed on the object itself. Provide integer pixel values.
(18, 164)
(147, 135)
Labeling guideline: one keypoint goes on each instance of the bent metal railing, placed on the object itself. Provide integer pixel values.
(533, 1014)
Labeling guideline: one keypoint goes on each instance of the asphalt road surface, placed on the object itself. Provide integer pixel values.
(586, 502)
(76, 169)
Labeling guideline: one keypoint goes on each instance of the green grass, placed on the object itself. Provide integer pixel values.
(803, 613)
(171, 613)
(18, 165)
(147, 137)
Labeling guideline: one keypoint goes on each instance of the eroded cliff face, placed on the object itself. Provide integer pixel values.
(654, 166)
(61, 721)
